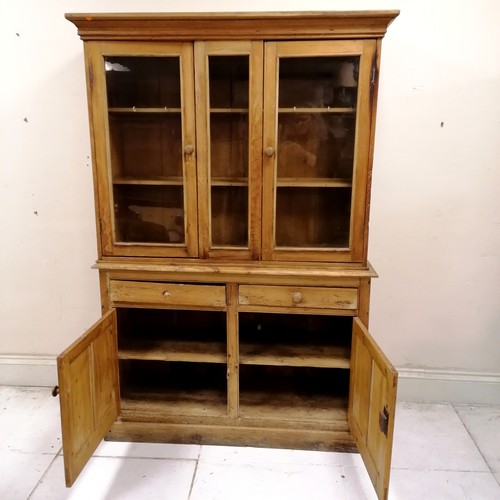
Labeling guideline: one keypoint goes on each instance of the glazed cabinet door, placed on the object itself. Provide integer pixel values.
(372, 402)
(89, 393)
(229, 135)
(316, 149)
(142, 116)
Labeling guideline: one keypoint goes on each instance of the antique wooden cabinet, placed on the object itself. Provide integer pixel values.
(232, 159)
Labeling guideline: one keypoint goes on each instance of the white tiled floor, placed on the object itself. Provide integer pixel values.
(440, 452)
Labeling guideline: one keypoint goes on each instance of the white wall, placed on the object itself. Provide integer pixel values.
(435, 220)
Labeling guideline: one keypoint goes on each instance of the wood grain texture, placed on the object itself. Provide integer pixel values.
(233, 436)
(298, 297)
(166, 294)
(89, 393)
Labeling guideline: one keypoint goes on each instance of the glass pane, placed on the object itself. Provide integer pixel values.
(229, 86)
(318, 82)
(149, 214)
(229, 145)
(228, 81)
(313, 217)
(230, 215)
(149, 82)
(315, 154)
(144, 146)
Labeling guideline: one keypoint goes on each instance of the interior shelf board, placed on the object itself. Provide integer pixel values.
(229, 181)
(295, 355)
(229, 110)
(313, 182)
(142, 110)
(175, 350)
(288, 407)
(143, 402)
(150, 181)
(327, 110)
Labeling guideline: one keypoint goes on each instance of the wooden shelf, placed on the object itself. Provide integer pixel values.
(152, 181)
(135, 109)
(227, 181)
(174, 350)
(333, 111)
(141, 404)
(293, 409)
(290, 355)
(313, 182)
(229, 110)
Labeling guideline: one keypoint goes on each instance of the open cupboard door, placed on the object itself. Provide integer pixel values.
(372, 404)
(89, 393)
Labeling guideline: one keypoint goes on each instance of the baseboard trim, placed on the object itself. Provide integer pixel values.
(448, 386)
(25, 370)
(415, 384)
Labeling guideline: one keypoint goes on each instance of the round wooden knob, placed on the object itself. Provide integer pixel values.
(269, 151)
(188, 149)
(55, 391)
(297, 297)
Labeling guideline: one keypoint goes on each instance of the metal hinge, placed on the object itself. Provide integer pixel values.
(383, 420)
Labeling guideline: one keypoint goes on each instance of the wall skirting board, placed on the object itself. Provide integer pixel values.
(16, 369)
(448, 386)
(415, 384)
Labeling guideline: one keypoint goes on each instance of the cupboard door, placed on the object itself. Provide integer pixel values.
(229, 79)
(317, 126)
(372, 401)
(89, 393)
(142, 111)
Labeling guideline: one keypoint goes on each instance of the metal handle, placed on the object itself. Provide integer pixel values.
(269, 152)
(188, 149)
(55, 391)
(166, 293)
(297, 297)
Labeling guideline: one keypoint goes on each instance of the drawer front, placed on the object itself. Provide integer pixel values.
(300, 297)
(174, 294)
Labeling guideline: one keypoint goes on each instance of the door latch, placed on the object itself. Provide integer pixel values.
(383, 420)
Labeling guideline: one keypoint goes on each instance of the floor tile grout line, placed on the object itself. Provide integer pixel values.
(194, 474)
(473, 440)
(43, 477)
(130, 457)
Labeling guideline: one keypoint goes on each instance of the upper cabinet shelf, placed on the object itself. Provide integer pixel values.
(134, 109)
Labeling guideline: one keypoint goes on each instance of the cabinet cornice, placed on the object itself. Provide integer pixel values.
(233, 26)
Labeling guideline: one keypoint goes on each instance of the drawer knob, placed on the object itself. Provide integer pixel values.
(166, 293)
(188, 149)
(297, 297)
(269, 151)
(55, 391)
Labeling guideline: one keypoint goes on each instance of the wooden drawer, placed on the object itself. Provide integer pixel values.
(158, 294)
(300, 297)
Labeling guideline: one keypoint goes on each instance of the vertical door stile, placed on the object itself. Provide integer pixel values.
(203, 147)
